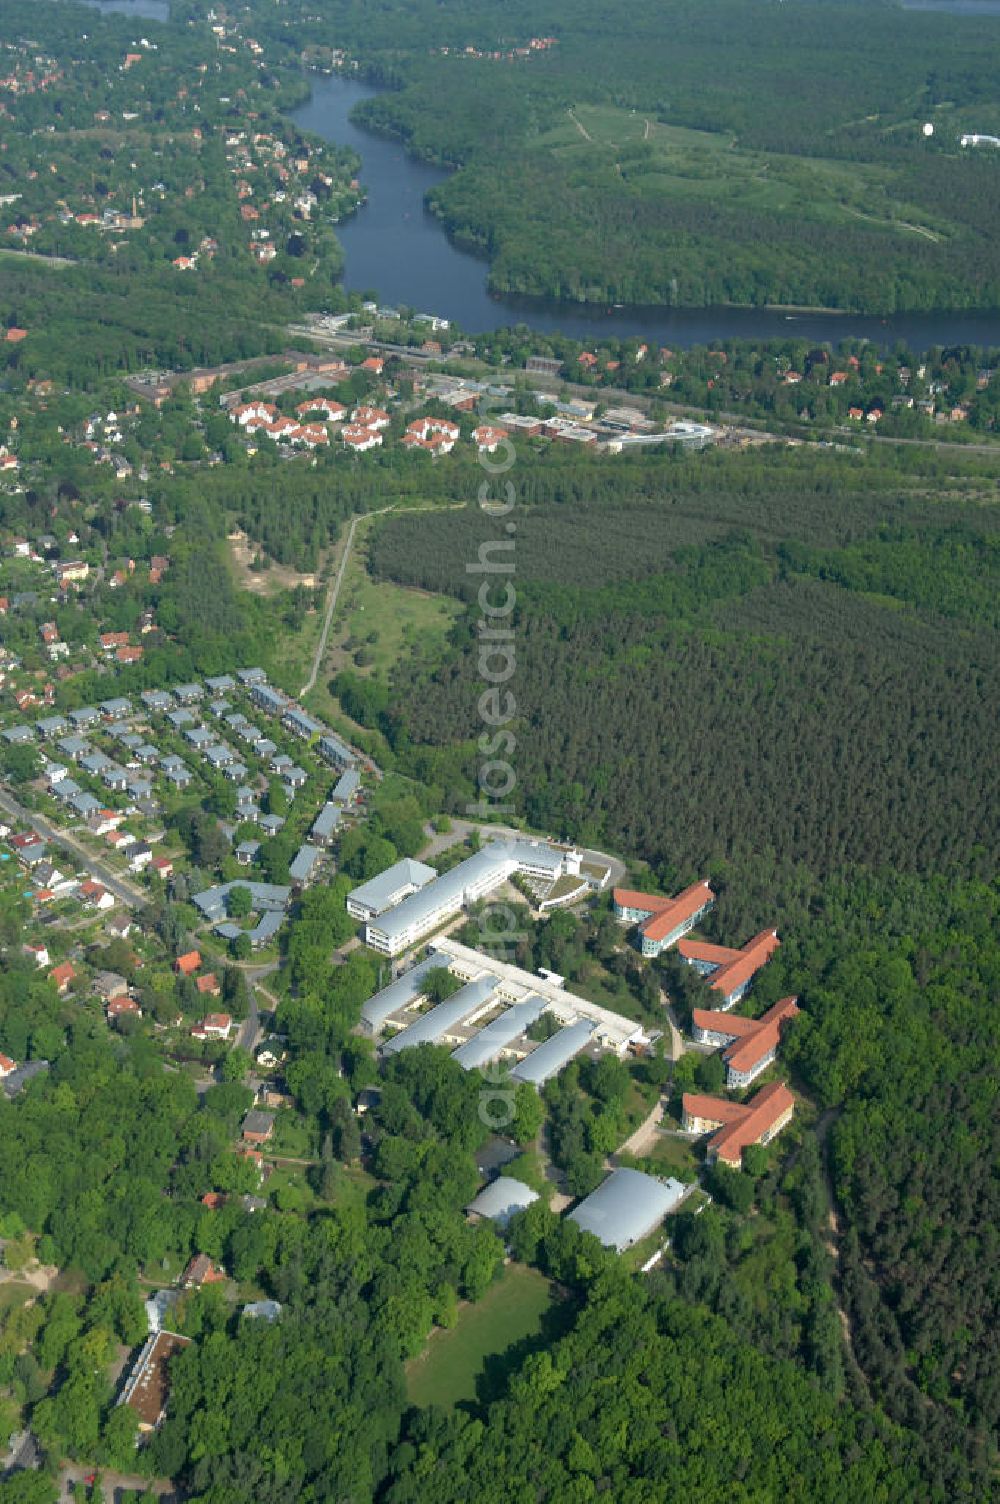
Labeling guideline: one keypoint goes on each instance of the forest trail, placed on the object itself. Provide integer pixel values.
(331, 606)
(581, 128)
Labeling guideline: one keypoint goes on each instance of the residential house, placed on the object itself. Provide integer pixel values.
(187, 964)
(258, 1127)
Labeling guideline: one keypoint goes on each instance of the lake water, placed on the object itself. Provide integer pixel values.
(142, 10)
(399, 253)
(955, 7)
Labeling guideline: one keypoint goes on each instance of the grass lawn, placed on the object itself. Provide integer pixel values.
(691, 164)
(400, 616)
(454, 1362)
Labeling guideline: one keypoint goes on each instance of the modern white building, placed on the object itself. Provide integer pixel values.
(398, 926)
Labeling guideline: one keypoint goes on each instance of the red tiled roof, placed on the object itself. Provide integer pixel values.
(701, 950)
(755, 954)
(208, 983)
(724, 1023)
(712, 1109)
(63, 975)
(759, 1115)
(188, 963)
(747, 1052)
(678, 910)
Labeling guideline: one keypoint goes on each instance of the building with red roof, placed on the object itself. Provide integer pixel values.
(730, 971)
(188, 964)
(749, 1044)
(7, 1066)
(735, 1125)
(662, 921)
(62, 976)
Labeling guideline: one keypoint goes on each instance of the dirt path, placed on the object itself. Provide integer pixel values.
(331, 606)
(581, 128)
(644, 1137)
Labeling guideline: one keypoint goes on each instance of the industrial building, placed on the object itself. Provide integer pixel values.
(548, 1058)
(626, 1207)
(389, 888)
(489, 1044)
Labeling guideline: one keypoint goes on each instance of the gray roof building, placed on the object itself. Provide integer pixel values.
(73, 747)
(389, 888)
(118, 709)
(180, 718)
(303, 725)
(248, 676)
(271, 701)
(489, 1043)
(220, 683)
(626, 1207)
(325, 824)
(186, 694)
(435, 1025)
(334, 750)
(347, 786)
(547, 1059)
(19, 736)
(304, 863)
(51, 725)
(156, 699)
(502, 1199)
(85, 716)
(403, 990)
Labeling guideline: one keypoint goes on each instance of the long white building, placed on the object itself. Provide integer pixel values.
(397, 929)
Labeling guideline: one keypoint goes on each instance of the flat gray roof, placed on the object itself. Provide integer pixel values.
(377, 892)
(502, 1199)
(489, 1042)
(626, 1207)
(429, 1027)
(496, 859)
(398, 993)
(548, 1058)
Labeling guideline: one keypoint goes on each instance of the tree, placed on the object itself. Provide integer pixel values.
(239, 903)
(236, 1065)
(439, 983)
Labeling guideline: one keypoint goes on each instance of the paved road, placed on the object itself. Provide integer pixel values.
(113, 1484)
(124, 891)
(461, 830)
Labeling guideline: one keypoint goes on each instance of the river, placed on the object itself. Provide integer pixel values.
(398, 252)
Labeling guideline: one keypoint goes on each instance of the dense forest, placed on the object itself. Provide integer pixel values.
(800, 673)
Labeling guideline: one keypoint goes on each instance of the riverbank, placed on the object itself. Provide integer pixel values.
(399, 252)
